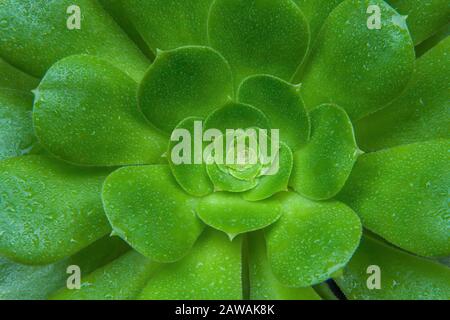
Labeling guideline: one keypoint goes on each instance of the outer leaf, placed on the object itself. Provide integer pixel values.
(263, 284)
(280, 101)
(402, 195)
(49, 210)
(34, 35)
(86, 112)
(323, 166)
(403, 276)
(431, 42)
(169, 24)
(355, 67)
(311, 241)
(122, 279)
(116, 8)
(233, 215)
(16, 129)
(188, 81)
(268, 185)
(316, 12)
(425, 17)
(192, 177)
(147, 209)
(214, 263)
(22, 282)
(13, 78)
(259, 36)
(421, 113)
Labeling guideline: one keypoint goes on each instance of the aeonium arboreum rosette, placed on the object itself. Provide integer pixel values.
(224, 149)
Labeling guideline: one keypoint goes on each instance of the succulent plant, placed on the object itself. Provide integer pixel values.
(89, 123)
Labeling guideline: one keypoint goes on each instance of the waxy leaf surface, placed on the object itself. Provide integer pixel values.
(311, 240)
(49, 210)
(147, 208)
(356, 67)
(213, 263)
(402, 195)
(402, 276)
(86, 112)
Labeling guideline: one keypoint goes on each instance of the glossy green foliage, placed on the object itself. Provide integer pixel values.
(16, 129)
(188, 81)
(421, 113)
(263, 284)
(122, 279)
(402, 195)
(211, 271)
(311, 240)
(316, 12)
(425, 17)
(148, 209)
(169, 24)
(402, 275)
(322, 167)
(116, 8)
(192, 177)
(24, 282)
(233, 215)
(34, 36)
(206, 216)
(355, 67)
(280, 101)
(86, 112)
(235, 28)
(41, 202)
(13, 78)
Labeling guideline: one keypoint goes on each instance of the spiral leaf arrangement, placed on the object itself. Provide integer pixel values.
(87, 176)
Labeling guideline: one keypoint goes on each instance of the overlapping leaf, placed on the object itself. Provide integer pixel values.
(86, 112)
(49, 210)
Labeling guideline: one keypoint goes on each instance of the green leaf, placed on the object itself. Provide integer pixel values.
(192, 177)
(233, 215)
(421, 113)
(86, 112)
(402, 275)
(355, 67)
(311, 240)
(169, 24)
(24, 282)
(322, 167)
(268, 185)
(402, 195)
(148, 209)
(236, 116)
(35, 35)
(16, 128)
(280, 101)
(263, 284)
(316, 12)
(13, 78)
(431, 42)
(116, 8)
(212, 271)
(48, 210)
(425, 17)
(188, 81)
(259, 36)
(122, 279)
